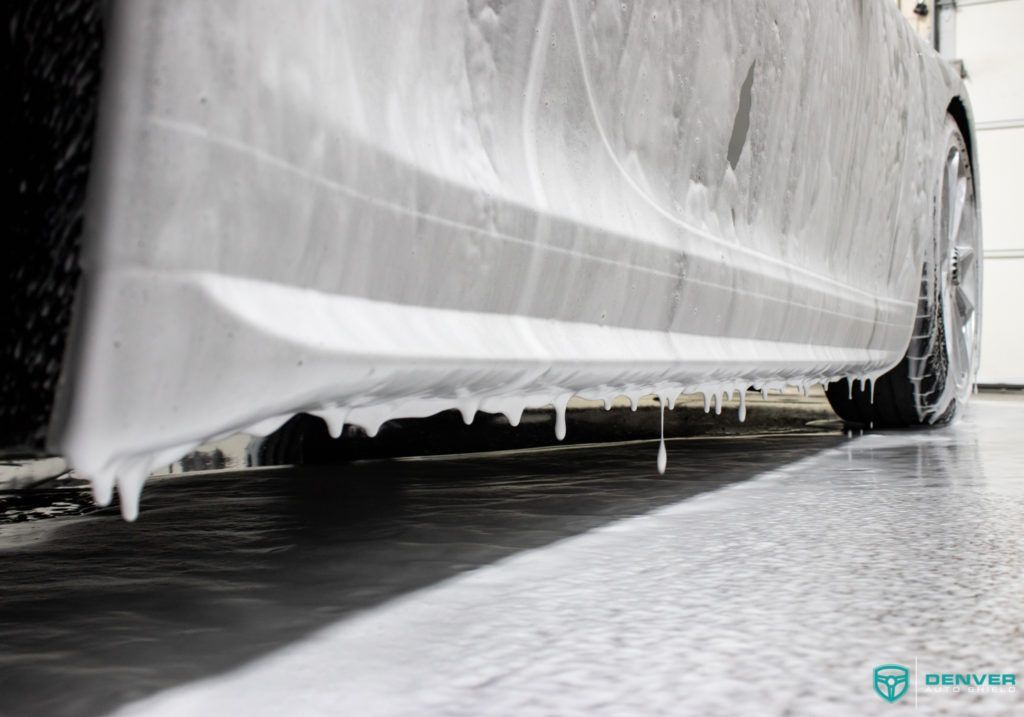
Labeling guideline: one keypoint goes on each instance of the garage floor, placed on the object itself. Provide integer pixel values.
(763, 574)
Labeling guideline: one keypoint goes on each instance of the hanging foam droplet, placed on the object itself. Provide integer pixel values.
(662, 453)
(508, 406)
(872, 397)
(102, 484)
(371, 418)
(468, 408)
(336, 423)
(131, 477)
(560, 404)
(334, 418)
(130, 493)
(514, 414)
(849, 387)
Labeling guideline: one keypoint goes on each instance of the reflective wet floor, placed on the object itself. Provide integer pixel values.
(764, 574)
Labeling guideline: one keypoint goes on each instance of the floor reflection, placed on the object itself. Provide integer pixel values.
(223, 568)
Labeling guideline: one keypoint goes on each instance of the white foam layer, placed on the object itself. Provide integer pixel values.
(277, 350)
(369, 210)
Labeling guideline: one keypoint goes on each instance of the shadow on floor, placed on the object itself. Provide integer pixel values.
(223, 568)
(304, 440)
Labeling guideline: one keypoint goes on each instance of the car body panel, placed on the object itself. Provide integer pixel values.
(378, 209)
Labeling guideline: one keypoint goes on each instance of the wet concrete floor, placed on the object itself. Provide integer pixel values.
(763, 574)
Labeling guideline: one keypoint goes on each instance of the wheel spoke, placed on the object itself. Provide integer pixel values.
(959, 282)
(956, 194)
(964, 304)
(965, 259)
(958, 324)
(958, 207)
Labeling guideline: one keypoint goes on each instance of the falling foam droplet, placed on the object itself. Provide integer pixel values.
(743, 406)
(662, 453)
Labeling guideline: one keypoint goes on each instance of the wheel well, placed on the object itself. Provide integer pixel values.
(958, 111)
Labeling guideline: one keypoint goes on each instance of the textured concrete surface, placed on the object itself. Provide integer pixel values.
(760, 575)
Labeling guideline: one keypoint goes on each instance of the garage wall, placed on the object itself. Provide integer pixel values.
(990, 41)
(988, 37)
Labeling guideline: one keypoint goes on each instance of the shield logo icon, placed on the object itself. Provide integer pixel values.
(891, 681)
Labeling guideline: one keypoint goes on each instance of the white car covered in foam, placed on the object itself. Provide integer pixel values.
(386, 208)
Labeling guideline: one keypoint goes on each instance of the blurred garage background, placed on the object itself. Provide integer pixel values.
(985, 38)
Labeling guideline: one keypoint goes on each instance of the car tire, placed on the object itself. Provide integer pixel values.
(936, 375)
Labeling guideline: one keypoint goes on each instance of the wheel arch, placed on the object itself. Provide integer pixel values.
(960, 111)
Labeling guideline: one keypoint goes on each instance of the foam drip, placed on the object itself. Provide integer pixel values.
(128, 474)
